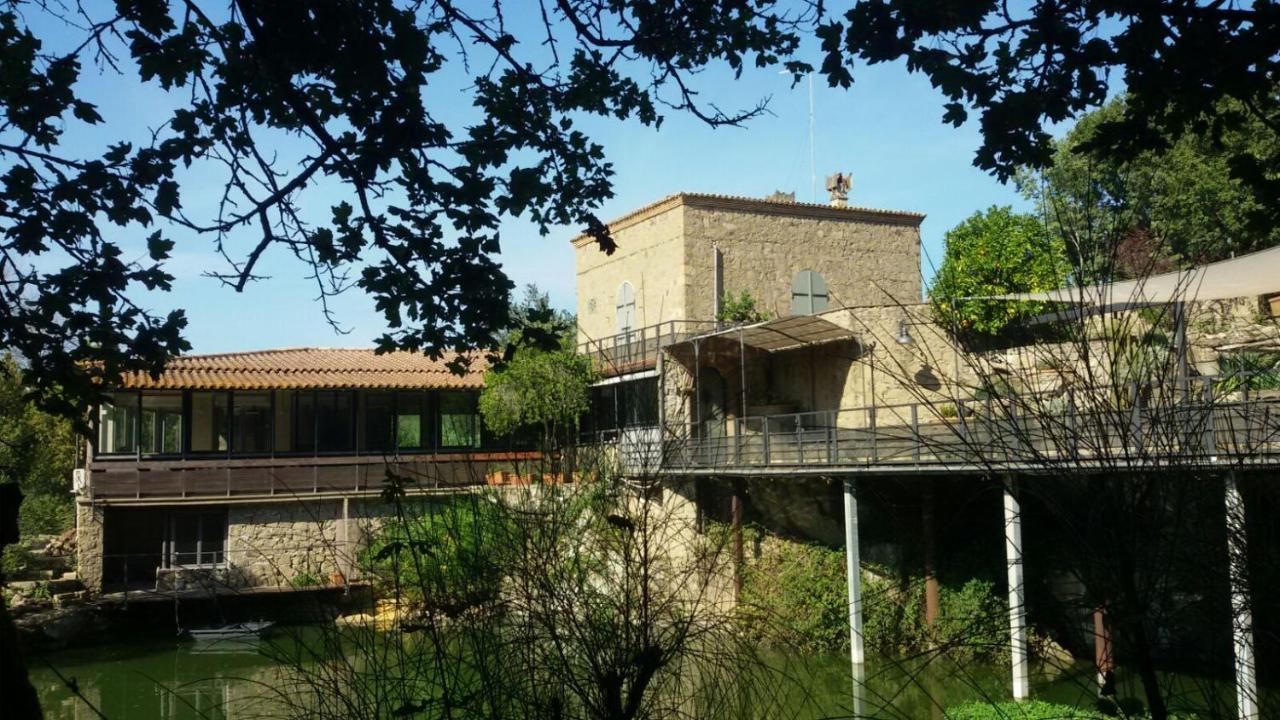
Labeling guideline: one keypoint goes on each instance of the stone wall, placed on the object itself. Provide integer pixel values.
(89, 545)
(667, 252)
(279, 543)
(865, 258)
(650, 257)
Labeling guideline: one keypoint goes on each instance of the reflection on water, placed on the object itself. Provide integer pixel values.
(170, 679)
(156, 679)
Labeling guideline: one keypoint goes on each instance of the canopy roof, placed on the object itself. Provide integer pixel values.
(1248, 275)
(784, 333)
(311, 368)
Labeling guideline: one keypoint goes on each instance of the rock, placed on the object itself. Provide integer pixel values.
(58, 627)
(62, 546)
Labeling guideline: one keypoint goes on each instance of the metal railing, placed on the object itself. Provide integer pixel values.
(638, 349)
(994, 432)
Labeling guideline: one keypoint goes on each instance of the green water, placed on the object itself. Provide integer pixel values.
(165, 678)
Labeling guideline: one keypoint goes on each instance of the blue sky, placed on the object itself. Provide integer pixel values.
(886, 130)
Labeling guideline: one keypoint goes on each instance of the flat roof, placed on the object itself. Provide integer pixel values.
(758, 205)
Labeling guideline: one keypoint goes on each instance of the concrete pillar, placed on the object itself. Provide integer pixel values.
(1103, 654)
(1241, 605)
(859, 692)
(853, 565)
(1017, 593)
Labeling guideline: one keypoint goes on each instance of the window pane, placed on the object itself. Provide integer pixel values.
(604, 407)
(186, 531)
(251, 423)
(375, 428)
(304, 419)
(333, 421)
(640, 402)
(117, 424)
(284, 420)
(209, 422)
(411, 415)
(459, 424)
(161, 424)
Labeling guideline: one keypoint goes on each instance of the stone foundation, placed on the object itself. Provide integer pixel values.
(89, 546)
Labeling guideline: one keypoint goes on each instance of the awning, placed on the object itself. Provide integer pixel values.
(1245, 276)
(783, 334)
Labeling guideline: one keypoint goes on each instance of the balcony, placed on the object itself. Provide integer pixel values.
(987, 436)
(637, 350)
(221, 477)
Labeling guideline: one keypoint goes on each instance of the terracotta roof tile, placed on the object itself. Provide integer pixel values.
(311, 368)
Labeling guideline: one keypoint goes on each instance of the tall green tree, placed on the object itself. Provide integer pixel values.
(1176, 205)
(995, 252)
(37, 452)
(540, 385)
(280, 107)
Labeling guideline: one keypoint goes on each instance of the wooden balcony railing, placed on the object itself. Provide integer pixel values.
(290, 476)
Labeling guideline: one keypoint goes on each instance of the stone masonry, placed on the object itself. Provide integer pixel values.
(666, 252)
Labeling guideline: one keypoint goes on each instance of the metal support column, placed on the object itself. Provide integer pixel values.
(1017, 593)
(1241, 605)
(853, 565)
(928, 521)
(735, 515)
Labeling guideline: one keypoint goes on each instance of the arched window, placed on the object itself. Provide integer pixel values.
(626, 308)
(808, 293)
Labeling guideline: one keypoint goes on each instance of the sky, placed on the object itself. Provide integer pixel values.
(886, 130)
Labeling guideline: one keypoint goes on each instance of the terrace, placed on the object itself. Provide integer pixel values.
(1016, 434)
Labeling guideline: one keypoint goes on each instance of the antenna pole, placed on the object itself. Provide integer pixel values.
(813, 153)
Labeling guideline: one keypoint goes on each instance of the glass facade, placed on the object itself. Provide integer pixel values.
(209, 422)
(412, 429)
(459, 420)
(197, 539)
(118, 424)
(251, 422)
(376, 419)
(289, 422)
(160, 425)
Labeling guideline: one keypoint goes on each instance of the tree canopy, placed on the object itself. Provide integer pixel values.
(327, 130)
(995, 252)
(1159, 208)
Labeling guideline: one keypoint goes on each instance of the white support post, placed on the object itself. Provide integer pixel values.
(853, 565)
(1241, 607)
(1017, 593)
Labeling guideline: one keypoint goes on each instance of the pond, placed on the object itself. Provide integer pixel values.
(145, 678)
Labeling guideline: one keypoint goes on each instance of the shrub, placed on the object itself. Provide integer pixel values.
(796, 594)
(1034, 710)
(15, 560)
(740, 308)
(46, 515)
(449, 557)
(305, 579)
